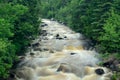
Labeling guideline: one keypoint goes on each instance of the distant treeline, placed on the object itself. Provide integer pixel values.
(98, 20)
(18, 23)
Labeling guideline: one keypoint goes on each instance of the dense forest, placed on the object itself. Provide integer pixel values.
(98, 20)
(19, 22)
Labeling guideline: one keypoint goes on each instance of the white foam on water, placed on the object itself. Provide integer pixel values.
(50, 45)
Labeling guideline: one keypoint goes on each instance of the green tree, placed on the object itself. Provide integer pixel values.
(7, 56)
(5, 29)
(110, 38)
(18, 21)
(26, 25)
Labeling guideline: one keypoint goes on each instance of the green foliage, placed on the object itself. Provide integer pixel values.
(5, 29)
(115, 76)
(7, 54)
(50, 8)
(111, 34)
(15, 11)
(18, 21)
(8, 15)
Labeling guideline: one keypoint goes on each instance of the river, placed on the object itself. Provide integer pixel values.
(57, 46)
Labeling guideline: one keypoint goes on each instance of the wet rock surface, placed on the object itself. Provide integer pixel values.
(113, 63)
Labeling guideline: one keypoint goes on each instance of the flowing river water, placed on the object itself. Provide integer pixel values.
(57, 49)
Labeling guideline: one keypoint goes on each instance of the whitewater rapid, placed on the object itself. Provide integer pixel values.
(56, 45)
